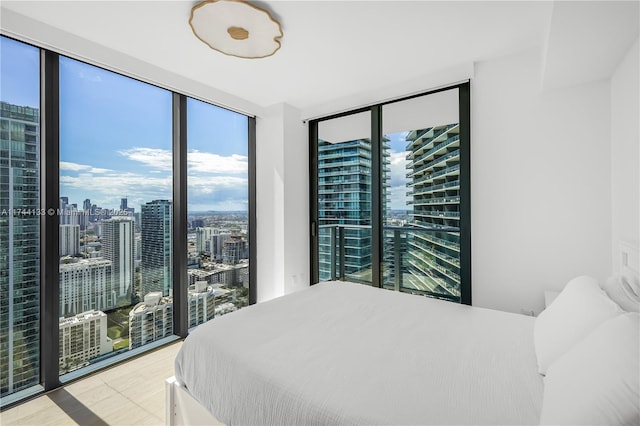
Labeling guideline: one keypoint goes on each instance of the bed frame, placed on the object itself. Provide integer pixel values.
(184, 409)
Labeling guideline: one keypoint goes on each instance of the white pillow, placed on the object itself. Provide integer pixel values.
(596, 382)
(579, 308)
(620, 291)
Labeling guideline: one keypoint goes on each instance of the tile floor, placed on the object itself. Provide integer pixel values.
(131, 393)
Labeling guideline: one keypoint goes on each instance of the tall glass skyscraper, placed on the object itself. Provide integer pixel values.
(434, 179)
(19, 247)
(156, 267)
(118, 247)
(344, 204)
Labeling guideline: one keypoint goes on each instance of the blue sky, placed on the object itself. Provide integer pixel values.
(398, 175)
(20, 73)
(116, 132)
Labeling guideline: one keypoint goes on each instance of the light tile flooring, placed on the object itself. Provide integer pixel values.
(131, 393)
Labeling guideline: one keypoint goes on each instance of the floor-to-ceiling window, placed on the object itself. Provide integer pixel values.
(115, 214)
(98, 256)
(218, 211)
(19, 216)
(413, 155)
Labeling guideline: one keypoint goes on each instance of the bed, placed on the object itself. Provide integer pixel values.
(346, 353)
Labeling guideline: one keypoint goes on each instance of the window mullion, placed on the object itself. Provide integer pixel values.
(376, 196)
(49, 222)
(253, 248)
(179, 238)
(464, 105)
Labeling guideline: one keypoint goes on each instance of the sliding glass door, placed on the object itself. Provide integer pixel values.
(390, 195)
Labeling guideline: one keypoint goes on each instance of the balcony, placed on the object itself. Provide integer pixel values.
(453, 170)
(452, 141)
(455, 184)
(451, 155)
(417, 260)
(432, 137)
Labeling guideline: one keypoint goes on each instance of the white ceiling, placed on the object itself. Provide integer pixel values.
(330, 50)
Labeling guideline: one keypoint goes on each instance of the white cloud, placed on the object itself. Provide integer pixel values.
(206, 162)
(74, 167)
(213, 180)
(115, 185)
(198, 162)
(157, 158)
(398, 174)
(99, 170)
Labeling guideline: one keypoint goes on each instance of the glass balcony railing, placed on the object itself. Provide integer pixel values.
(416, 259)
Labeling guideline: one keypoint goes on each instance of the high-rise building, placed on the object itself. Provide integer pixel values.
(344, 205)
(137, 249)
(216, 245)
(224, 300)
(83, 337)
(88, 212)
(150, 320)
(125, 210)
(118, 247)
(434, 173)
(69, 240)
(201, 303)
(69, 214)
(85, 285)
(233, 249)
(203, 240)
(156, 267)
(19, 248)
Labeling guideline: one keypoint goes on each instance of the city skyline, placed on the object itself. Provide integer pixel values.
(116, 142)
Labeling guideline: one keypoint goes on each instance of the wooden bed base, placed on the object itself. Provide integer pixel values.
(183, 409)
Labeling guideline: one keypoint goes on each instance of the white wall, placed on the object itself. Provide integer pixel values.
(540, 183)
(625, 151)
(282, 202)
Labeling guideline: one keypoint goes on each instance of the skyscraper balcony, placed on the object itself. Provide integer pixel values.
(436, 201)
(451, 155)
(438, 214)
(431, 133)
(426, 190)
(452, 141)
(449, 171)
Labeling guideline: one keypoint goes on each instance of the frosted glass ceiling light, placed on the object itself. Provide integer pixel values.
(236, 28)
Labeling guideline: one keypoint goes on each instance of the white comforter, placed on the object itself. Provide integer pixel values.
(343, 353)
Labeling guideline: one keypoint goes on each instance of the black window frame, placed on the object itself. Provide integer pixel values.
(464, 111)
(50, 378)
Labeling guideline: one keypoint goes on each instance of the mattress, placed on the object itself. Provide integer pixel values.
(345, 353)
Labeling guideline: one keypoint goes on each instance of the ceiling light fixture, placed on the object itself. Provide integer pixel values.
(236, 28)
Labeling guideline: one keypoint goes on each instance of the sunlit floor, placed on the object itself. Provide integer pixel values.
(131, 393)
